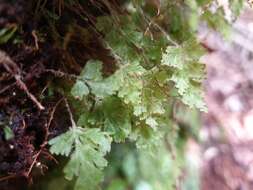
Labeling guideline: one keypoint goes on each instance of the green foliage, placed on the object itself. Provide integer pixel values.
(87, 148)
(157, 63)
(236, 6)
(6, 34)
(8, 133)
(80, 90)
(218, 22)
(91, 78)
(187, 72)
(139, 169)
(117, 184)
(117, 119)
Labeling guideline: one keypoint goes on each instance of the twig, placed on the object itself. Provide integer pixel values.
(152, 22)
(34, 161)
(58, 73)
(45, 141)
(12, 68)
(7, 177)
(7, 87)
(49, 122)
(35, 39)
(73, 123)
(49, 156)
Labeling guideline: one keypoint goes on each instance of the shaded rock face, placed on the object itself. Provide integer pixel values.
(224, 171)
(228, 126)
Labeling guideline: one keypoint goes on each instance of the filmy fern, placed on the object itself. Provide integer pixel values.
(187, 73)
(134, 102)
(86, 148)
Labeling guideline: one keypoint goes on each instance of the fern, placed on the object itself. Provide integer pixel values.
(188, 73)
(155, 66)
(86, 148)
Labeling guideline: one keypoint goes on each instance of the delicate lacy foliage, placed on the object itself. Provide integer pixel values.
(86, 148)
(187, 73)
(155, 66)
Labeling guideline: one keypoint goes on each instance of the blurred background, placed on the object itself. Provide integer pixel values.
(227, 128)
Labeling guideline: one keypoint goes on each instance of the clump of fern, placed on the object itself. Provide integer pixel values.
(157, 57)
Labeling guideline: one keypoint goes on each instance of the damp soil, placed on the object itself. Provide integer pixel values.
(50, 43)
